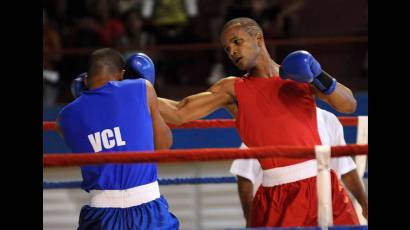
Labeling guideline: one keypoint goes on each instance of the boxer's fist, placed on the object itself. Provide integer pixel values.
(139, 65)
(79, 85)
(301, 66)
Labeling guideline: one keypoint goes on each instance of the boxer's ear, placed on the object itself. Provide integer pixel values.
(259, 39)
(120, 75)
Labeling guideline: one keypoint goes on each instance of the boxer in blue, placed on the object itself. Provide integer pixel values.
(111, 115)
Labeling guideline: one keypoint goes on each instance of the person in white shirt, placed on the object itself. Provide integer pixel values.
(249, 171)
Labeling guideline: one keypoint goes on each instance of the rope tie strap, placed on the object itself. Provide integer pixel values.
(323, 187)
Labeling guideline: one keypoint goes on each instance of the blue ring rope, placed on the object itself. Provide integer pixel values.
(169, 181)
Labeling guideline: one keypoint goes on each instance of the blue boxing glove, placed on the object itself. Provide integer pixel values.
(139, 65)
(79, 85)
(301, 66)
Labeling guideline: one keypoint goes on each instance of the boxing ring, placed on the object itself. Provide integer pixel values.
(208, 155)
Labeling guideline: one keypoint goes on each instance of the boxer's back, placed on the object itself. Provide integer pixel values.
(111, 118)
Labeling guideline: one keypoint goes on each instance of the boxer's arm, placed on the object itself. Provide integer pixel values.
(199, 105)
(232, 109)
(162, 133)
(355, 186)
(168, 110)
(301, 66)
(245, 190)
(341, 99)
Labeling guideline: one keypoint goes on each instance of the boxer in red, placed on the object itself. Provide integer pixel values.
(274, 105)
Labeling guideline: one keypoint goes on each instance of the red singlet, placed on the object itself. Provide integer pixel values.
(273, 112)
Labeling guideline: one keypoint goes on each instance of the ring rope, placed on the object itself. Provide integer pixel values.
(211, 123)
(164, 181)
(185, 155)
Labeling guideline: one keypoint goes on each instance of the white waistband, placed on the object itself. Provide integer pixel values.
(125, 198)
(288, 174)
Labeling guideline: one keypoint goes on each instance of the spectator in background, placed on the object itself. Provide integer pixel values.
(126, 5)
(100, 24)
(65, 14)
(216, 19)
(171, 23)
(51, 48)
(95, 27)
(57, 12)
(278, 17)
(134, 38)
(170, 18)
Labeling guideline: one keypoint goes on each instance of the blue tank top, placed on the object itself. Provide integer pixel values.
(114, 117)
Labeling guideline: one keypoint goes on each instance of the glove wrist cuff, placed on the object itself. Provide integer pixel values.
(325, 83)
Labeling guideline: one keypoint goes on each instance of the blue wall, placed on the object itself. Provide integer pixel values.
(362, 110)
(201, 138)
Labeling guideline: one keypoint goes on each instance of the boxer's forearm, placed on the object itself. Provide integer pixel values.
(168, 110)
(341, 99)
(355, 186)
(200, 105)
(245, 190)
(191, 108)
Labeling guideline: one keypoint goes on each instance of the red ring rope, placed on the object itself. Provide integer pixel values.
(213, 123)
(53, 160)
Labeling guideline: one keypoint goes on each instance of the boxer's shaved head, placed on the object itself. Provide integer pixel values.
(242, 39)
(248, 24)
(105, 65)
(107, 60)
